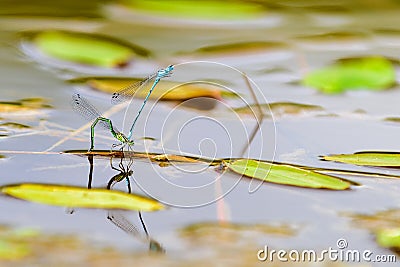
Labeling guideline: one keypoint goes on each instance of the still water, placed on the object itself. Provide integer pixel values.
(293, 38)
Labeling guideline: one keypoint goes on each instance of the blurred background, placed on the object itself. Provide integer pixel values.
(326, 70)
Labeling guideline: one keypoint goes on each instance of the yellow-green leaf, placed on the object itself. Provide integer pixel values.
(378, 159)
(206, 9)
(389, 238)
(10, 251)
(86, 48)
(371, 73)
(163, 91)
(79, 197)
(285, 174)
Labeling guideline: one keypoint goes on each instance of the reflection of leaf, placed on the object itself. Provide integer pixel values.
(379, 159)
(281, 109)
(86, 48)
(285, 174)
(374, 73)
(206, 9)
(163, 90)
(68, 196)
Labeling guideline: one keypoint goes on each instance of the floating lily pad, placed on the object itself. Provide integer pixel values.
(206, 9)
(366, 158)
(79, 197)
(163, 91)
(85, 48)
(368, 73)
(285, 174)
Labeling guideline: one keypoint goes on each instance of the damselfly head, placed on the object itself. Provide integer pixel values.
(115, 95)
(167, 72)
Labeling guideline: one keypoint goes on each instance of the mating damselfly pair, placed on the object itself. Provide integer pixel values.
(89, 112)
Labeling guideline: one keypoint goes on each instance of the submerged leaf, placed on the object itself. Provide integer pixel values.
(208, 9)
(285, 174)
(79, 197)
(86, 48)
(166, 90)
(378, 159)
(373, 73)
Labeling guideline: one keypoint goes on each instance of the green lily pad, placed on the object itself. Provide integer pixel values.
(366, 158)
(206, 9)
(79, 197)
(10, 251)
(368, 73)
(86, 48)
(285, 174)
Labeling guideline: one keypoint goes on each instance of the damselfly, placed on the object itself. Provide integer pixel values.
(89, 112)
(127, 93)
